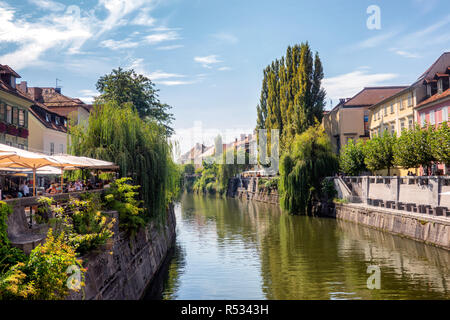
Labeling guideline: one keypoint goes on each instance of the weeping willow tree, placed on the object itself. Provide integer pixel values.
(303, 168)
(140, 148)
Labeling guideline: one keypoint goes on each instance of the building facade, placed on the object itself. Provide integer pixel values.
(350, 119)
(48, 129)
(73, 109)
(393, 114)
(14, 110)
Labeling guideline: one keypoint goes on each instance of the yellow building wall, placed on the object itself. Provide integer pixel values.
(36, 133)
(395, 113)
(383, 116)
(40, 137)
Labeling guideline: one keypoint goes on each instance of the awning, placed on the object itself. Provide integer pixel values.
(19, 160)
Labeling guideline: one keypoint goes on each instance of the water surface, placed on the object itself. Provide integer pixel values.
(234, 249)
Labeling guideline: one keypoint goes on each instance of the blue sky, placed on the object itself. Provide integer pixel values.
(207, 56)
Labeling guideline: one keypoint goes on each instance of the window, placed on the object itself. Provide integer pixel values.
(22, 118)
(410, 103)
(47, 117)
(410, 123)
(440, 86)
(61, 148)
(432, 117)
(428, 90)
(52, 148)
(392, 129)
(57, 121)
(2, 111)
(65, 122)
(385, 110)
(422, 119)
(392, 108)
(402, 125)
(9, 114)
(445, 114)
(15, 116)
(401, 102)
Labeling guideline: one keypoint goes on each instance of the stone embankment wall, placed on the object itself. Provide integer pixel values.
(429, 229)
(248, 189)
(262, 196)
(123, 271)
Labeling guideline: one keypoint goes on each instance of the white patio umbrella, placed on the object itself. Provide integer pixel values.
(23, 159)
(70, 162)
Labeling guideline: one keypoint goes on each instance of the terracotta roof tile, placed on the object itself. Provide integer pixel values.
(4, 69)
(373, 95)
(434, 98)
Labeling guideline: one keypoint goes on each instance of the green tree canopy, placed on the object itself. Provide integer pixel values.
(441, 144)
(414, 148)
(379, 152)
(126, 86)
(303, 168)
(292, 97)
(140, 148)
(351, 160)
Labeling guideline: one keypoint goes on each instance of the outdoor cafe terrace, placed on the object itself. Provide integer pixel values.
(23, 231)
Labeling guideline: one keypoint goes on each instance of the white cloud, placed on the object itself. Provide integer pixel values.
(120, 44)
(224, 69)
(117, 10)
(161, 37)
(163, 75)
(172, 47)
(207, 61)
(48, 5)
(67, 31)
(87, 96)
(144, 18)
(175, 82)
(376, 40)
(347, 85)
(406, 54)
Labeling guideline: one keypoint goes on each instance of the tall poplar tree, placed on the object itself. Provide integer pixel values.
(292, 98)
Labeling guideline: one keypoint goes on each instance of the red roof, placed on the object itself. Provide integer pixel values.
(373, 95)
(4, 69)
(434, 98)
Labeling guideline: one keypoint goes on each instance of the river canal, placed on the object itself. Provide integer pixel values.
(234, 249)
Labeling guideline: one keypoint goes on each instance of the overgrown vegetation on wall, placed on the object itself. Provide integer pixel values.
(76, 228)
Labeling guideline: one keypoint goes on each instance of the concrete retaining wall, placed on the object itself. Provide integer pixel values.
(428, 229)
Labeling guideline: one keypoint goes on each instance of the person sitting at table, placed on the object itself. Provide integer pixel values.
(51, 189)
(71, 187)
(78, 186)
(26, 189)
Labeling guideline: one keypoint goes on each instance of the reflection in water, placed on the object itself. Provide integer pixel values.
(232, 249)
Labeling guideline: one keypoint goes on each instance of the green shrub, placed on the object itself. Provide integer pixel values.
(89, 229)
(9, 256)
(122, 197)
(47, 267)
